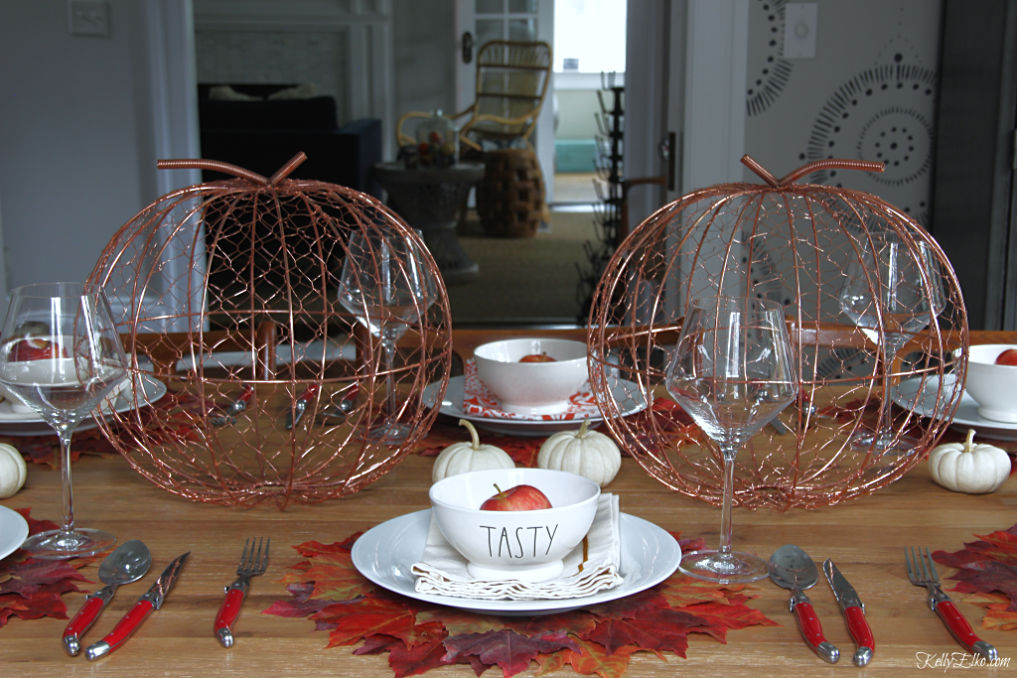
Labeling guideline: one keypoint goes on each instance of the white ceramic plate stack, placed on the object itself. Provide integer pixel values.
(626, 393)
(385, 553)
(919, 396)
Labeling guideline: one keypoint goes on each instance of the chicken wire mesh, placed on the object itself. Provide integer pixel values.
(864, 416)
(226, 293)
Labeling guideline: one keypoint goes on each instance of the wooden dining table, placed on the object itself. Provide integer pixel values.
(865, 536)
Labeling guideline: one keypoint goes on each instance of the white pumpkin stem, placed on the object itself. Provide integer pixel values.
(583, 429)
(969, 443)
(474, 436)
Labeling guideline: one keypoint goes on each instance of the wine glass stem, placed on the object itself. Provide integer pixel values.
(729, 452)
(891, 346)
(388, 347)
(64, 434)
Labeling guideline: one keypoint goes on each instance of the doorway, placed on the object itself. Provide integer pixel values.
(589, 58)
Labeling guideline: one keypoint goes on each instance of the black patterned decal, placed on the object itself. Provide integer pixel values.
(773, 74)
(878, 115)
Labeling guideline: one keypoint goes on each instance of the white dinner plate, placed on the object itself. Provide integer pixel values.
(626, 392)
(13, 530)
(385, 553)
(309, 351)
(906, 395)
(19, 423)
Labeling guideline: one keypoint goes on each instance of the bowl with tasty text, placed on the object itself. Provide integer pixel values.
(514, 523)
(532, 376)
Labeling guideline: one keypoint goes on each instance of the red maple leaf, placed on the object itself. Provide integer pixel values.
(655, 629)
(300, 605)
(403, 660)
(986, 566)
(510, 651)
(588, 659)
(367, 617)
(330, 568)
(32, 577)
(32, 588)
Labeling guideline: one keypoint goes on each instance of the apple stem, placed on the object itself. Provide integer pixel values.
(501, 492)
(474, 437)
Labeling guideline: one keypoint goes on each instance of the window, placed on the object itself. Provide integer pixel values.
(589, 36)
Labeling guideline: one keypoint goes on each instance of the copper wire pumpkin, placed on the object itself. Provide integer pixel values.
(227, 292)
(792, 243)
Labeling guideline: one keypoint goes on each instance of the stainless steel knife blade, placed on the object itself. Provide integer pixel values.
(854, 613)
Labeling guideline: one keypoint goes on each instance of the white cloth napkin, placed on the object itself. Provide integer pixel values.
(442, 570)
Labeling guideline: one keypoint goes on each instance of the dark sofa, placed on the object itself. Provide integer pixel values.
(261, 134)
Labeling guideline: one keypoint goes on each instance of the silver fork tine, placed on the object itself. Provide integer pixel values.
(933, 574)
(263, 565)
(243, 555)
(923, 563)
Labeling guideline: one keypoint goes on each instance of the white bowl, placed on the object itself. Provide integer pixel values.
(532, 388)
(523, 545)
(993, 386)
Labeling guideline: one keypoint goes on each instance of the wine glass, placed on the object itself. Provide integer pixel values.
(61, 355)
(891, 292)
(386, 285)
(733, 372)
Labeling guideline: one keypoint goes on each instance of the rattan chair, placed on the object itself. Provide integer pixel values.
(512, 82)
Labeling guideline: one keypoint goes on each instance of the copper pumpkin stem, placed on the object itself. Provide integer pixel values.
(763, 173)
(816, 165)
(235, 170)
(288, 168)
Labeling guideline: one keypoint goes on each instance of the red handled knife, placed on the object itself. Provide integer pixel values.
(854, 614)
(230, 411)
(300, 406)
(151, 600)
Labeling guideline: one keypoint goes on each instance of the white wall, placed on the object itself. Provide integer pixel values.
(79, 127)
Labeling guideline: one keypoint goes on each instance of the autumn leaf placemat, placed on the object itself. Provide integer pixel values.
(326, 588)
(987, 576)
(31, 588)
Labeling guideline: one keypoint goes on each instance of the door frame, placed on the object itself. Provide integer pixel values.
(465, 82)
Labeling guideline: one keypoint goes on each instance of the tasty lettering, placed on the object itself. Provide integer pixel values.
(522, 542)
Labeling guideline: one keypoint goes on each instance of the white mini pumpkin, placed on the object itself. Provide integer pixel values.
(584, 452)
(966, 467)
(13, 471)
(472, 456)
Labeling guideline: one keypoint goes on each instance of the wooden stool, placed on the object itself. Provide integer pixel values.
(510, 198)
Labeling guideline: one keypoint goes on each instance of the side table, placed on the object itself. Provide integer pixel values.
(429, 199)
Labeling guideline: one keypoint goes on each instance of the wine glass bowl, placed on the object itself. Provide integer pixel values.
(61, 355)
(890, 293)
(732, 371)
(386, 285)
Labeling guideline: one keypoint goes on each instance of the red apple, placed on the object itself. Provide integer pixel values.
(35, 349)
(537, 358)
(1007, 357)
(518, 498)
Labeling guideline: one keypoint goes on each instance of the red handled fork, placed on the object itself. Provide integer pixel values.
(252, 563)
(922, 572)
